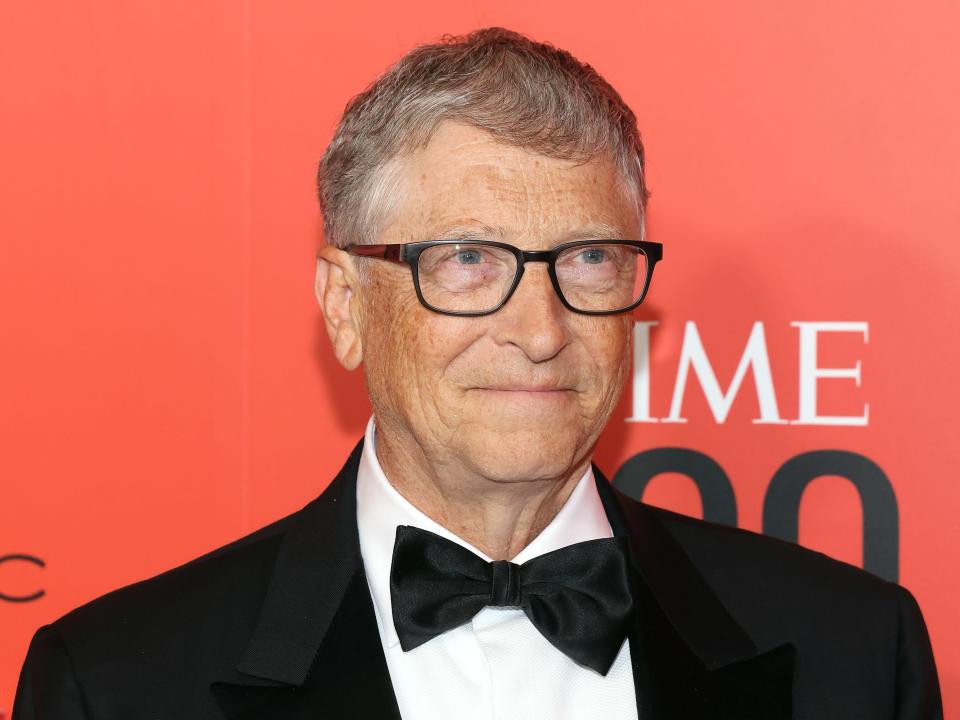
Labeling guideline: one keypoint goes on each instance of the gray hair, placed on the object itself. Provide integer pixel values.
(524, 93)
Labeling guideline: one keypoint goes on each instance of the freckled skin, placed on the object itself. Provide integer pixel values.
(494, 466)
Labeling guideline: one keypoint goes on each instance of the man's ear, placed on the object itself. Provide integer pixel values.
(335, 286)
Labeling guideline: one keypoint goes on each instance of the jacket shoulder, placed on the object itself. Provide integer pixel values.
(221, 587)
(749, 557)
(783, 592)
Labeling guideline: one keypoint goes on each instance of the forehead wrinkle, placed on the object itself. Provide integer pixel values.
(532, 202)
(544, 200)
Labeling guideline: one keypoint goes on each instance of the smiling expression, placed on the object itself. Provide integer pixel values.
(521, 394)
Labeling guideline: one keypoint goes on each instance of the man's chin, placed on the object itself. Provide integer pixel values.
(523, 455)
(512, 411)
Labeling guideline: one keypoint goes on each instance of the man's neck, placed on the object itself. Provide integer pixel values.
(497, 517)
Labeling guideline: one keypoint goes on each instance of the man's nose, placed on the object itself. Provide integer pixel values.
(533, 319)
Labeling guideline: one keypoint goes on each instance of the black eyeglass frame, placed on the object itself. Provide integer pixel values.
(409, 253)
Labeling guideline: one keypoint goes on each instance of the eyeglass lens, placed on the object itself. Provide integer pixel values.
(469, 277)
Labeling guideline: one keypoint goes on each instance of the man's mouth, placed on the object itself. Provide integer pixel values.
(533, 390)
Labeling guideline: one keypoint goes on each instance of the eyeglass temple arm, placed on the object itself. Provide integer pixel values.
(654, 251)
(391, 252)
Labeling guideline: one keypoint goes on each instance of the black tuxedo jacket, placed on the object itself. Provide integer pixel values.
(280, 625)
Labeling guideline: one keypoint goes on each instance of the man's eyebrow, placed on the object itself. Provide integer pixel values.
(472, 230)
(467, 231)
(596, 231)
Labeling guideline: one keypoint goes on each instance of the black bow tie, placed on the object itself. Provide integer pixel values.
(578, 597)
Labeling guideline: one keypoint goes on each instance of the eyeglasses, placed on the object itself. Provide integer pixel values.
(477, 277)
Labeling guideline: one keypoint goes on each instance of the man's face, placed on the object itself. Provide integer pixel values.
(521, 394)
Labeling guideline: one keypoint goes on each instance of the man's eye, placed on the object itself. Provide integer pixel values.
(469, 257)
(594, 256)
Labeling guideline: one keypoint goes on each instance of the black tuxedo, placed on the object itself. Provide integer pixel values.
(280, 625)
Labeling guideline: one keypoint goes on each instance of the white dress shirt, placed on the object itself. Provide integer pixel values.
(497, 666)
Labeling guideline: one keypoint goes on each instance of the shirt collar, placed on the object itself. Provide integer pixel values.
(381, 508)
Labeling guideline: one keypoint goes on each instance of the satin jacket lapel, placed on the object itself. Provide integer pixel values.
(691, 659)
(316, 650)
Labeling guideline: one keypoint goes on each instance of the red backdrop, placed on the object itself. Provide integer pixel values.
(166, 384)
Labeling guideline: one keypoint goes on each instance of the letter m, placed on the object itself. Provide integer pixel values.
(693, 355)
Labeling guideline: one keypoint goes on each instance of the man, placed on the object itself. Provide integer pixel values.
(484, 206)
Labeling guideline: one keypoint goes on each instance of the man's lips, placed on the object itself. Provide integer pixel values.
(524, 388)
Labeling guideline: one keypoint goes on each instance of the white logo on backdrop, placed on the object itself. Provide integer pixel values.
(755, 357)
